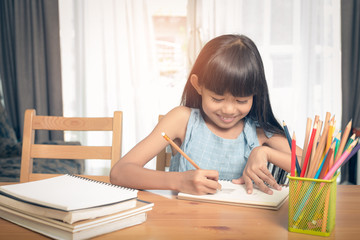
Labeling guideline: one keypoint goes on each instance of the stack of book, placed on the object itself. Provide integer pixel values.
(72, 207)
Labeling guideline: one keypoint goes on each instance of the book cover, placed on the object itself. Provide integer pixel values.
(68, 192)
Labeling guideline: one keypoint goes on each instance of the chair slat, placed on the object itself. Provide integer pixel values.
(163, 158)
(72, 124)
(70, 152)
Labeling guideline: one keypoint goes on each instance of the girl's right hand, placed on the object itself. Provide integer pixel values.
(199, 182)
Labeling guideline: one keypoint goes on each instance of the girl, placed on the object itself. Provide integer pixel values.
(225, 124)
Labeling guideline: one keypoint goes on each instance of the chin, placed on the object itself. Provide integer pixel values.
(225, 125)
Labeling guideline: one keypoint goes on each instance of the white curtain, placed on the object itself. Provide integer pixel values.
(300, 46)
(109, 60)
(109, 64)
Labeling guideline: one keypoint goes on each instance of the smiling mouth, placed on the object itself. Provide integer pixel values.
(227, 119)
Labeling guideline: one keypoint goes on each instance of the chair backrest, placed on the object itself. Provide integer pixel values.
(30, 150)
(164, 157)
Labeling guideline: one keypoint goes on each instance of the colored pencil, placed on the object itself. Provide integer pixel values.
(180, 151)
(318, 152)
(306, 141)
(351, 139)
(336, 140)
(308, 152)
(314, 167)
(287, 134)
(293, 155)
(315, 143)
(331, 132)
(325, 167)
(316, 139)
(327, 118)
(343, 141)
(353, 151)
(330, 135)
(338, 163)
(328, 161)
(337, 144)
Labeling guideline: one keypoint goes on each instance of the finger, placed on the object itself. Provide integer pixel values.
(210, 174)
(257, 177)
(248, 184)
(267, 177)
(270, 180)
(210, 191)
(205, 189)
(238, 181)
(213, 185)
(261, 185)
(213, 175)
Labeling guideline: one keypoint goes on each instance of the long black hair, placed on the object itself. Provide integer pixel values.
(232, 64)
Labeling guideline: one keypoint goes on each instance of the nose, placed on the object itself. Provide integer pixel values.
(228, 108)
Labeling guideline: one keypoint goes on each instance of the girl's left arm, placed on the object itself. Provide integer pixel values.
(275, 150)
(278, 150)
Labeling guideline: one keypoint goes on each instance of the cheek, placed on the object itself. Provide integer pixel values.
(246, 109)
(207, 106)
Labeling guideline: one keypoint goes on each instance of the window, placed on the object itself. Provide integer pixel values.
(171, 38)
(111, 48)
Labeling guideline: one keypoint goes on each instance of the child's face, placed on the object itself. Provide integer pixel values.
(225, 110)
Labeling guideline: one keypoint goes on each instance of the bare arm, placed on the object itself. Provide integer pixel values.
(275, 150)
(129, 171)
(278, 150)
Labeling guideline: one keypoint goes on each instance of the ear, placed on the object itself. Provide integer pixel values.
(195, 83)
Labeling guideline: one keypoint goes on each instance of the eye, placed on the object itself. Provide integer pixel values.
(216, 99)
(242, 101)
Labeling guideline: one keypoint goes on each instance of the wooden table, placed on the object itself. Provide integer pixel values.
(180, 219)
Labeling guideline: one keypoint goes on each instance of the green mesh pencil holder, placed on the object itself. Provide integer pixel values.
(312, 205)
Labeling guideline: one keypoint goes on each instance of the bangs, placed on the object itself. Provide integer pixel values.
(234, 71)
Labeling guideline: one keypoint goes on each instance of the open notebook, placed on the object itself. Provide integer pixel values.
(235, 194)
(68, 193)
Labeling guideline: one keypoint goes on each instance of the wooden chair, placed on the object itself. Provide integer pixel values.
(31, 150)
(164, 157)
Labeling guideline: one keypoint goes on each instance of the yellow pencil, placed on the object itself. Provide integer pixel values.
(180, 151)
(330, 135)
(331, 132)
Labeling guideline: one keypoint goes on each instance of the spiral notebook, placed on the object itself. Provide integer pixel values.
(235, 194)
(86, 229)
(68, 193)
